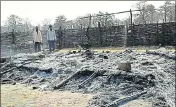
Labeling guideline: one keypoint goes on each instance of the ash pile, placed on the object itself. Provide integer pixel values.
(114, 78)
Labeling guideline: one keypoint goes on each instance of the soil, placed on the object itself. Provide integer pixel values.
(23, 96)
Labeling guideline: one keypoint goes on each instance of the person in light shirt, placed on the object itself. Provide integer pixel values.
(51, 37)
(37, 39)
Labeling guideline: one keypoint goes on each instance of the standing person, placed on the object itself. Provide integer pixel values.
(37, 39)
(51, 37)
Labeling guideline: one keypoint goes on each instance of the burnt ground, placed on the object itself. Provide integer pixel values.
(152, 74)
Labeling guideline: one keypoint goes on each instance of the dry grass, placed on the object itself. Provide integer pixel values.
(115, 49)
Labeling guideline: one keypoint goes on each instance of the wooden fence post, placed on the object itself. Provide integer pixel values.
(88, 31)
(162, 35)
(157, 37)
(99, 34)
(60, 37)
(131, 21)
(81, 26)
(13, 37)
(126, 35)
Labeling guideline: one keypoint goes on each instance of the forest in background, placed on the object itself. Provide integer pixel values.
(148, 14)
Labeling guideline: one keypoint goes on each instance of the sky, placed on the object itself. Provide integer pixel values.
(37, 11)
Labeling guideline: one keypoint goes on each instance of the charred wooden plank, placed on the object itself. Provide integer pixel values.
(62, 83)
(9, 70)
(121, 101)
(6, 64)
(88, 79)
(6, 71)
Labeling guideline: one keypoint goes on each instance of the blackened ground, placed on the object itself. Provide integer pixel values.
(152, 73)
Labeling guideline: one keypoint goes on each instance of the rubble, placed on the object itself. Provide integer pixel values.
(101, 76)
(163, 52)
(3, 60)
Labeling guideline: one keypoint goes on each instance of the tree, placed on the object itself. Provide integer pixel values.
(105, 19)
(78, 23)
(18, 24)
(13, 22)
(126, 21)
(69, 24)
(60, 22)
(141, 17)
(45, 24)
(148, 13)
(14, 25)
(26, 25)
(84, 22)
(167, 11)
(109, 20)
(151, 14)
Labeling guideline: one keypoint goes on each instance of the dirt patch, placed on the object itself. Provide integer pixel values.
(23, 96)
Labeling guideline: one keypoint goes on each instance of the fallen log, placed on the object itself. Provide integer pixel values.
(62, 83)
(121, 101)
(88, 79)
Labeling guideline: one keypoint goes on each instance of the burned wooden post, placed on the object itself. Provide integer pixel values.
(126, 35)
(157, 34)
(81, 30)
(88, 31)
(13, 37)
(133, 33)
(175, 8)
(90, 20)
(60, 38)
(81, 26)
(99, 34)
(87, 35)
(162, 35)
(165, 15)
(131, 22)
